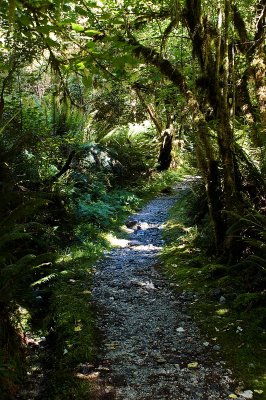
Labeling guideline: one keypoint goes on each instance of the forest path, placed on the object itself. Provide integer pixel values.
(149, 339)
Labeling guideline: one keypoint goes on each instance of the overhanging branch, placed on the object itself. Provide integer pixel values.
(65, 167)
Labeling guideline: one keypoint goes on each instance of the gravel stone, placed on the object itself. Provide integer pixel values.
(148, 337)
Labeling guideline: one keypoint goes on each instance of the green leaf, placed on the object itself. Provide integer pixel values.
(92, 32)
(87, 80)
(193, 365)
(81, 65)
(79, 10)
(23, 210)
(51, 42)
(44, 280)
(25, 20)
(12, 236)
(118, 21)
(46, 29)
(91, 46)
(77, 27)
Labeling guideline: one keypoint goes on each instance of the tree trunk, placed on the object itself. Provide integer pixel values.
(224, 118)
(65, 167)
(204, 149)
(258, 64)
(255, 56)
(166, 135)
(259, 72)
(165, 156)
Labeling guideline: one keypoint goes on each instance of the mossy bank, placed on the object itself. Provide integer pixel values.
(231, 302)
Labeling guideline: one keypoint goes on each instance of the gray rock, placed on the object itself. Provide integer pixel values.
(131, 223)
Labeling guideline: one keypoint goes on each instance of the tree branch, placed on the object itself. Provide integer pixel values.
(149, 109)
(65, 167)
(165, 66)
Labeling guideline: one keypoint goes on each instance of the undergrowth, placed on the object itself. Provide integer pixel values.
(72, 338)
(231, 304)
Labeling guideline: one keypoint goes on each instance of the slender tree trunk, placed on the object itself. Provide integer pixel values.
(259, 72)
(255, 56)
(208, 166)
(258, 63)
(2, 106)
(166, 135)
(157, 123)
(245, 108)
(224, 117)
(204, 149)
(165, 156)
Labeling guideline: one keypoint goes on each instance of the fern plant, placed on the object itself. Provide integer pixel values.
(21, 263)
(135, 146)
(251, 230)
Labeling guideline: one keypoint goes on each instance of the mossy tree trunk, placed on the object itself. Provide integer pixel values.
(164, 130)
(226, 140)
(254, 51)
(204, 149)
(165, 155)
(258, 63)
(211, 47)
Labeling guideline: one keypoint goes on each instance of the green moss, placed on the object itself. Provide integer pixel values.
(147, 189)
(74, 338)
(238, 322)
(248, 301)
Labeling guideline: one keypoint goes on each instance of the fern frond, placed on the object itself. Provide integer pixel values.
(253, 170)
(43, 260)
(46, 279)
(259, 261)
(11, 277)
(258, 244)
(23, 210)
(253, 220)
(11, 237)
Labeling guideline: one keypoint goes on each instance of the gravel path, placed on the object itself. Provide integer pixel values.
(152, 349)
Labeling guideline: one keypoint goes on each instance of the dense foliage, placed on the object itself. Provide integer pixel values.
(97, 94)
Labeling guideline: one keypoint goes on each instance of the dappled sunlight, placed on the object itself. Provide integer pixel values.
(135, 129)
(148, 285)
(144, 247)
(125, 229)
(116, 242)
(91, 376)
(222, 311)
(134, 244)
(78, 327)
(103, 106)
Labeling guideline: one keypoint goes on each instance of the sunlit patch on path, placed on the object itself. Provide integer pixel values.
(152, 348)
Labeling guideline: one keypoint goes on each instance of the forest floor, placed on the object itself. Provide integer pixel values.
(152, 319)
(151, 347)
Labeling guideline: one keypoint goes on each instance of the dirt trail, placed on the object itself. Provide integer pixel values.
(152, 348)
